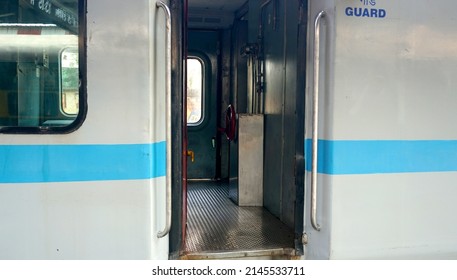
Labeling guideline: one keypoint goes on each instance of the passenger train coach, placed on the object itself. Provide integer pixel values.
(291, 129)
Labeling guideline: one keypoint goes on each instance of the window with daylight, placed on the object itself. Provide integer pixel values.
(195, 98)
(40, 76)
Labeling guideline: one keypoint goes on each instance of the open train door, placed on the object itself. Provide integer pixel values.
(160, 69)
(178, 10)
(173, 41)
(82, 183)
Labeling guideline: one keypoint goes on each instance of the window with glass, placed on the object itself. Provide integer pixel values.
(194, 91)
(40, 80)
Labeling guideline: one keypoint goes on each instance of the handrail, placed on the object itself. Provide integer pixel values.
(165, 8)
(315, 127)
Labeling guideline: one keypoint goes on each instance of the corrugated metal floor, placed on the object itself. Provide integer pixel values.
(216, 225)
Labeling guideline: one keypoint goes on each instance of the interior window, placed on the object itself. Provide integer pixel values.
(40, 87)
(194, 91)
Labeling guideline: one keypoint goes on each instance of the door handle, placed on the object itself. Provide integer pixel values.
(164, 7)
(191, 154)
(315, 128)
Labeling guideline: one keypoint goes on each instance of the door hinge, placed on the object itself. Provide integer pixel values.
(304, 239)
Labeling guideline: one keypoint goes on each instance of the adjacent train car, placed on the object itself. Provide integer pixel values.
(194, 129)
(386, 163)
(83, 174)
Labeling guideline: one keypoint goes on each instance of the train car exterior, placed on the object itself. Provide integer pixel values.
(386, 168)
(359, 152)
(92, 185)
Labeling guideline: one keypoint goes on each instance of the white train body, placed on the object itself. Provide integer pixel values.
(96, 189)
(387, 171)
(96, 193)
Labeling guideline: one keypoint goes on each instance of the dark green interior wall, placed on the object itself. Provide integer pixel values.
(279, 21)
(273, 46)
(225, 90)
(205, 44)
(289, 116)
(238, 96)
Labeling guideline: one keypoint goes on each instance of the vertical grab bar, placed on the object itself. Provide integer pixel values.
(315, 128)
(160, 4)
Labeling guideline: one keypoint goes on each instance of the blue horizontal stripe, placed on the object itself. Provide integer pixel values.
(68, 163)
(390, 156)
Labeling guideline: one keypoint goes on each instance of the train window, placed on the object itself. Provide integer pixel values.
(41, 81)
(69, 78)
(194, 91)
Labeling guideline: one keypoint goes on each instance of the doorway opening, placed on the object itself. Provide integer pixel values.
(240, 200)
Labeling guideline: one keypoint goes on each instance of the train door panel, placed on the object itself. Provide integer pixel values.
(279, 97)
(202, 124)
(382, 140)
(77, 183)
(133, 76)
(316, 236)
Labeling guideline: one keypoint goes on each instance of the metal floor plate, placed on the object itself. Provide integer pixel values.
(215, 224)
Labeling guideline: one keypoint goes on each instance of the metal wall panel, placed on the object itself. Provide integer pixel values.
(274, 95)
(280, 49)
(250, 160)
(205, 44)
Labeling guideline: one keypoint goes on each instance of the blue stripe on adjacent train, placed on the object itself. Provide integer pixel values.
(67, 163)
(344, 157)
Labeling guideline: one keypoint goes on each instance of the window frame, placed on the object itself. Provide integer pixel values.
(81, 116)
